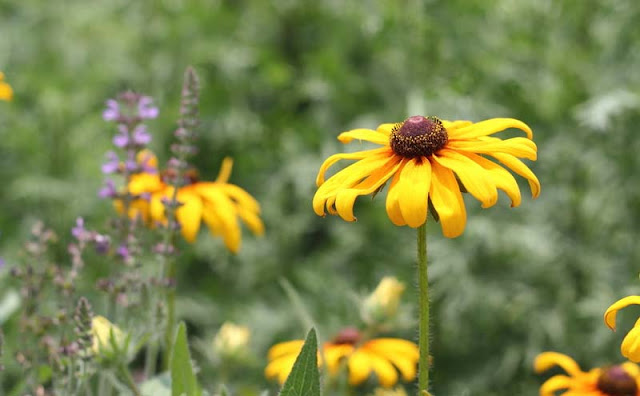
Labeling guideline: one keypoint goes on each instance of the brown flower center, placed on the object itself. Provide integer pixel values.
(615, 381)
(418, 136)
(350, 335)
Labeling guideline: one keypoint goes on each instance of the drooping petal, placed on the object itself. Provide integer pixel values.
(447, 200)
(612, 311)
(500, 176)
(413, 191)
(358, 155)
(220, 214)
(345, 198)
(239, 195)
(285, 348)
(521, 169)
(333, 355)
(280, 368)
(489, 127)
(632, 369)
(251, 219)
(630, 346)
(451, 125)
(359, 367)
(145, 183)
(519, 147)
(364, 134)
(554, 384)
(402, 354)
(393, 194)
(225, 170)
(546, 360)
(156, 205)
(384, 370)
(475, 179)
(386, 128)
(189, 214)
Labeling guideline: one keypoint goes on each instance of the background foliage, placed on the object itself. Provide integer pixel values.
(280, 80)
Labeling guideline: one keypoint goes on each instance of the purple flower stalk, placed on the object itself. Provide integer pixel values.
(108, 190)
(112, 112)
(145, 108)
(111, 166)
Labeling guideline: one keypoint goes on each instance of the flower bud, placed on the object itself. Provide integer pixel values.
(382, 304)
(232, 340)
(108, 340)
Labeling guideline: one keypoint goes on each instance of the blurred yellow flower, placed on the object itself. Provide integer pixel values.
(219, 204)
(103, 333)
(429, 163)
(389, 392)
(231, 339)
(6, 93)
(630, 347)
(617, 380)
(382, 356)
(383, 303)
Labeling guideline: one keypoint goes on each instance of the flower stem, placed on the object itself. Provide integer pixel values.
(423, 297)
(128, 379)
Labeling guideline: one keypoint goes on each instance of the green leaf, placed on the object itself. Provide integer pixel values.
(304, 379)
(183, 379)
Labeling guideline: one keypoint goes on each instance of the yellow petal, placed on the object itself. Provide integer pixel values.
(489, 127)
(156, 207)
(359, 367)
(225, 170)
(334, 353)
(285, 348)
(345, 198)
(386, 373)
(386, 128)
(451, 125)
(630, 347)
(447, 200)
(475, 179)
(546, 360)
(500, 176)
(555, 383)
(364, 134)
(358, 155)
(393, 195)
(147, 158)
(239, 195)
(521, 169)
(252, 220)
(280, 368)
(519, 147)
(189, 214)
(631, 368)
(220, 215)
(413, 191)
(6, 92)
(145, 183)
(612, 311)
(386, 346)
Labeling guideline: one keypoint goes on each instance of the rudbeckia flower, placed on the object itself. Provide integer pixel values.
(630, 347)
(430, 162)
(6, 93)
(218, 203)
(617, 380)
(383, 356)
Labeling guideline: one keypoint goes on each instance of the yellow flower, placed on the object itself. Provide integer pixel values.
(6, 93)
(429, 163)
(231, 339)
(104, 332)
(630, 347)
(382, 356)
(389, 392)
(219, 204)
(383, 302)
(617, 380)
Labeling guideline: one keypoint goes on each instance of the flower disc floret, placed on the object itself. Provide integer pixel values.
(418, 136)
(615, 381)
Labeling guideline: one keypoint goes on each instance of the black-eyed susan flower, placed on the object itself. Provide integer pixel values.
(6, 93)
(218, 204)
(616, 380)
(429, 162)
(630, 346)
(384, 357)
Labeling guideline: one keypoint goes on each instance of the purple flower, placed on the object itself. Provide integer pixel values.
(121, 139)
(131, 165)
(112, 112)
(79, 232)
(145, 108)
(102, 243)
(140, 135)
(108, 190)
(123, 252)
(112, 163)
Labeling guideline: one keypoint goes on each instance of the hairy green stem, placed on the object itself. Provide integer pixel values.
(128, 379)
(169, 269)
(423, 297)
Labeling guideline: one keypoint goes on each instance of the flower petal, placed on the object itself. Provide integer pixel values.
(475, 179)
(386, 128)
(612, 311)
(451, 125)
(345, 198)
(225, 170)
(413, 191)
(546, 360)
(519, 147)
(239, 195)
(358, 155)
(393, 194)
(386, 373)
(554, 384)
(359, 367)
(401, 353)
(521, 169)
(447, 200)
(220, 215)
(189, 214)
(489, 127)
(364, 134)
(280, 368)
(501, 177)
(333, 355)
(252, 220)
(285, 348)
(630, 347)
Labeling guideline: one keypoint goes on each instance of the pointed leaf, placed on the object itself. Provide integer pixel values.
(304, 379)
(183, 379)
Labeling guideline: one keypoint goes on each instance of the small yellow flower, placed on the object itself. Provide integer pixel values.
(429, 162)
(383, 356)
(104, 332)
(630, 347)
(617, 380)
(383, 302)
(231, 339)
(218, 204)
(6, 93)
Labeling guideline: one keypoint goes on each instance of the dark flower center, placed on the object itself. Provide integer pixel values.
(350, 335)
(418, 136)
(615, 381)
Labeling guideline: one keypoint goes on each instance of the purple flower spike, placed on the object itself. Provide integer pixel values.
(140, 135)
(123, 252)
(112, 163)
(145, 108)
(79, 232)
(108, 190)
(131, 165)
(112, 112)
(121, 140)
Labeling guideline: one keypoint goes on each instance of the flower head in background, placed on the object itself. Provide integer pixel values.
(108, 339)
(429, 162)
(231, 340)
(382, 304)
(389, 392)
(6, 92)
(620, 380)
(383, 356)
(630, 346)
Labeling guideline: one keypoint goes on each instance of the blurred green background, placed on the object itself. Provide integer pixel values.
(280, 79)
